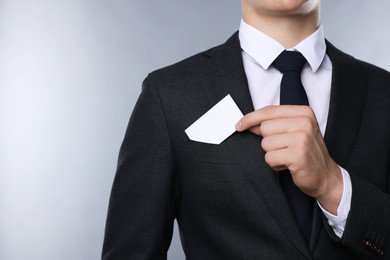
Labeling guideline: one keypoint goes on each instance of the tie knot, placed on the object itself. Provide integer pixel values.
(289, 61)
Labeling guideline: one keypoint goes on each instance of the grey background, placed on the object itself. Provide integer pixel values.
(70, 73)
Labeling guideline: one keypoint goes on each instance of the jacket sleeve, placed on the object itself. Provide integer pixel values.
(142, 202)
(367, 230)
(368, 226)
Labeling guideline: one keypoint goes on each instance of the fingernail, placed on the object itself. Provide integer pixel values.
(238, 125)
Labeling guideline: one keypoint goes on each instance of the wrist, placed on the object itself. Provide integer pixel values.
(331, 196)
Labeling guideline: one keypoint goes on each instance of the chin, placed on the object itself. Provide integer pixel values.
(292, 6)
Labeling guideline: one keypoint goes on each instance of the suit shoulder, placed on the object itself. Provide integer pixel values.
(378, 78)
(188, 67)
(373, 70)
(362, 66)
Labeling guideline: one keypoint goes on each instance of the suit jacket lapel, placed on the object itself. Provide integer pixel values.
(224, 75)
(348, 93)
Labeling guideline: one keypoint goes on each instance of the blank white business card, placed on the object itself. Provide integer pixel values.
(217, 124)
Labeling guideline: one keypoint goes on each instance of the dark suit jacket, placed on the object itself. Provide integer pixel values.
(228, 202)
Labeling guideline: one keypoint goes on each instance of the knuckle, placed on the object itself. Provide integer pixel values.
(264, 128)
(308, 111)
(303, 139)
(265, 144)
(307, 123)
(269, 109)
(268, 158)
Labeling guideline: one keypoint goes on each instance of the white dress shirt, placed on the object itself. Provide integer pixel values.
(259, 51)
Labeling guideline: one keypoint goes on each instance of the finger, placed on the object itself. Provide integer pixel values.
(288, 149)
(294, 141)
(277, 159)
(255, 118)
(276, 142)
(287, 125)
(256, 130)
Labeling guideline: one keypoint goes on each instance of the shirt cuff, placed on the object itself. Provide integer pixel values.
(338, 222)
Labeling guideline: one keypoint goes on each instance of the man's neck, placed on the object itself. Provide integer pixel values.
(287, 30)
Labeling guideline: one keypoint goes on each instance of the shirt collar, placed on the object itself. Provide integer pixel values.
(264, 50)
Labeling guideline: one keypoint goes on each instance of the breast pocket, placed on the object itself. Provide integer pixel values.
(208, 153)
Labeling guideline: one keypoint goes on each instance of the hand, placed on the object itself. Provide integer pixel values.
(292, 140)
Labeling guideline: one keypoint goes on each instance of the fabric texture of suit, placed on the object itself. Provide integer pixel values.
(227, 200)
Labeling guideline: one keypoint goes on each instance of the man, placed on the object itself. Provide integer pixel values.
(231, 200)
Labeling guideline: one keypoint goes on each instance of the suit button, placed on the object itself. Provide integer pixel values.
(367, 243)
(379, 252)
(372, 247)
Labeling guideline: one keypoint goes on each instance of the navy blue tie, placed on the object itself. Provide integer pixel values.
(290, 63)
